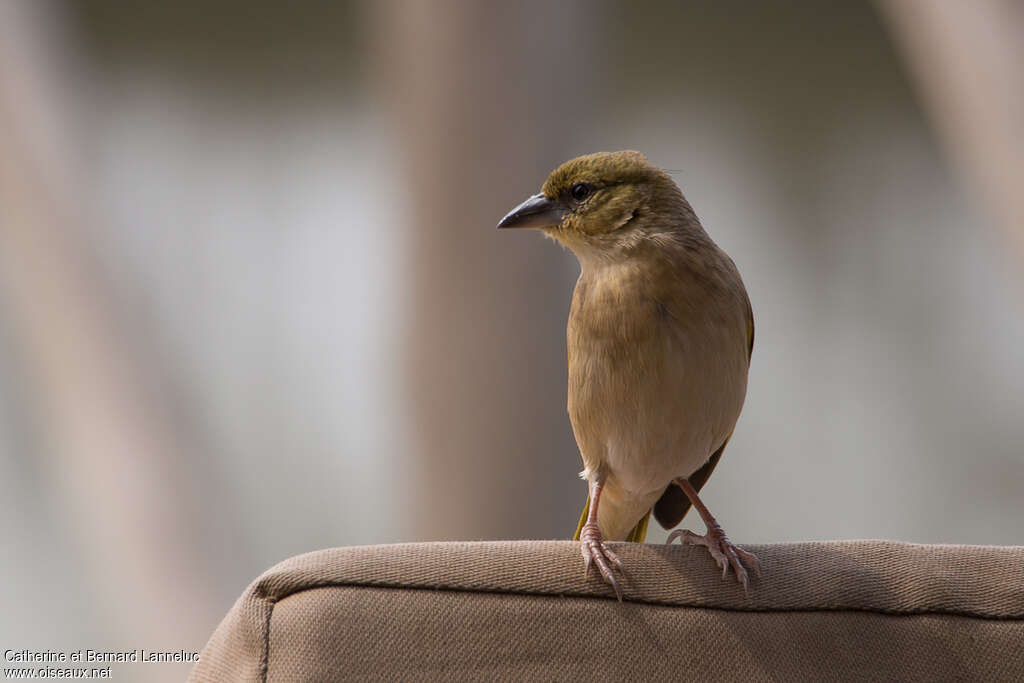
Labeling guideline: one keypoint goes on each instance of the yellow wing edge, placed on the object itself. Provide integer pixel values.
(637, 535)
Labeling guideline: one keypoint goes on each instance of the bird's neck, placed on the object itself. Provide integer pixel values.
(641, 253)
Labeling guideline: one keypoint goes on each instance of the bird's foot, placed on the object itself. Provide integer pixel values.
(596, 551)
(725, 554)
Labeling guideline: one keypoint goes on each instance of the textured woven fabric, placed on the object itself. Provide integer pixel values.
(868, 610)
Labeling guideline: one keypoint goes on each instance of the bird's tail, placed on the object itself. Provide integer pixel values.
(637, 535)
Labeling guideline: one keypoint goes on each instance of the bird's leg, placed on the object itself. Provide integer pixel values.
(723, 551)
(594, 549)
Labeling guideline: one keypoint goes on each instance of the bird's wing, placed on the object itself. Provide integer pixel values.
(673, 504)
(637, 535)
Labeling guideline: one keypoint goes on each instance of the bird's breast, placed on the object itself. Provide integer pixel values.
(657, 376)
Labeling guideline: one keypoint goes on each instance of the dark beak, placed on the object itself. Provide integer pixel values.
(536, 212)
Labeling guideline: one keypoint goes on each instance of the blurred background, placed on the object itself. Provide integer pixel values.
(253, 304)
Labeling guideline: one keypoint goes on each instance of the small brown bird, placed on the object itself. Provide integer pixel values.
(659, 338)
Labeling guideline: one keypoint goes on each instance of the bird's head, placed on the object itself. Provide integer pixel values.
(604, 203)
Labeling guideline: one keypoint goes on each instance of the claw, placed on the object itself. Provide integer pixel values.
(614, 558)
(726, 555)
(750, 559)
(595, 551)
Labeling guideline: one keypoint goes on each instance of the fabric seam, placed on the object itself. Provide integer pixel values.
(657, 603)
(265, 658)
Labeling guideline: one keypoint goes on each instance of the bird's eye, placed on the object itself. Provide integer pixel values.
(580, 191)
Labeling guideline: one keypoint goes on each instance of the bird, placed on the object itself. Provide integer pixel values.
(659, 340)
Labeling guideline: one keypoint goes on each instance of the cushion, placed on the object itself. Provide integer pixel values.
(854, 610)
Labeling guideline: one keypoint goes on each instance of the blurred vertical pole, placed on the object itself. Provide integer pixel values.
(486, 98)
(110, 451)
(967, 59)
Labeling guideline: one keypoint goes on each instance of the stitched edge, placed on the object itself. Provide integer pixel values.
(635, 601)
(265, 657)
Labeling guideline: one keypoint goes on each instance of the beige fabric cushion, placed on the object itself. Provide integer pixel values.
(867, 610)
